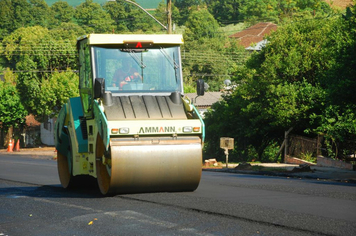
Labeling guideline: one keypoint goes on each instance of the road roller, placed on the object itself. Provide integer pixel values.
(132, 128)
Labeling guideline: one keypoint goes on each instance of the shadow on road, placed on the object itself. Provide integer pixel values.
(51, 191)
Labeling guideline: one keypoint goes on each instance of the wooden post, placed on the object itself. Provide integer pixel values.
(286, 133)
(169, 16)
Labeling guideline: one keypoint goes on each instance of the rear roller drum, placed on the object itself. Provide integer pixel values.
(64, 172)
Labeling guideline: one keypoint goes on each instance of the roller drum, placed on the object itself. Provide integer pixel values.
(151, 168)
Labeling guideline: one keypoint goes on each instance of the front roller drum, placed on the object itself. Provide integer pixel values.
(151, 168)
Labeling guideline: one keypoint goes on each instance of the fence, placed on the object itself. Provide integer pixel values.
(303, 147)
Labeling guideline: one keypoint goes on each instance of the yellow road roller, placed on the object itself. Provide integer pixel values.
(132, 128)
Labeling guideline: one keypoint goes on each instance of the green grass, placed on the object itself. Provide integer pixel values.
(233, 28)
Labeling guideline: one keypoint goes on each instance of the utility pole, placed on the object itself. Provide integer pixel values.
(169, 16)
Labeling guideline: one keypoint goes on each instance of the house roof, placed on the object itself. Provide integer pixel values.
(254, 34)
(204, 101)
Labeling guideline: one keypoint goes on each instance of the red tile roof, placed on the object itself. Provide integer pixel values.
(255, 33)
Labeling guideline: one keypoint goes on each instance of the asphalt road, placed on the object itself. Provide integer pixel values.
(33, 203)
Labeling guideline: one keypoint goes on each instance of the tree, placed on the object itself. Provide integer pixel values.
(41, 14)
(225, 11)
(340, 80)
(68, 32)
(6, 12)
(14, 14)
(161, 13)
(63, 12)
(259, 10)
(337, 121)
(12, 112)
(297, 51)
(278, 88)
(139, 21)
(34, 53)
(93, 18)
(55, 92)
(119, 13)
(186, 7)
(208, 54)
(201, 25)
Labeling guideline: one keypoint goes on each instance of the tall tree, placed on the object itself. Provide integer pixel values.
(279, 87)
(337, 121)
(225, 11)
(41, 14)
(35, 54)
(7, 15)
(12, 112)
(14, 14)
(186, 7)
(201, 25)
(55, 91)
(259, 10)
(119, 13)
(93, 18)
(63, 12)
(208, 54)
(161, 13)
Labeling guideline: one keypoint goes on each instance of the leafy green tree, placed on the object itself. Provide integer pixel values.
(208, 54)
(35, 54)
(340, 80)
(12, 112)
(63, 12)
(6, 12)
(257, 10)
(162, 15)
(119, 13)
(186, 7)
(41, 14)
(201, 25)
(68, 32)
(14, 14)
(337, 125)
(139, 21)
(55, 91)
(337, 121)
(297, 51)
(129, 18)
(93, 18)
(279, 88)
(225, 11)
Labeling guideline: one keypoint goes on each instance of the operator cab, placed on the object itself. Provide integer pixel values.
(153, 70)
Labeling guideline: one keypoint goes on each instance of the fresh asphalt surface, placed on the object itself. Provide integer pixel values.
(33, 203)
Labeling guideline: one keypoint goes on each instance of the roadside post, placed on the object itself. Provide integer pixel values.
(226, 144)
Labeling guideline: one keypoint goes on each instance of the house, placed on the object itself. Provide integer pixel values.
(252, 38)
(31, 132)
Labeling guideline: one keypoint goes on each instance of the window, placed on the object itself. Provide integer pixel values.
(129, 71)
